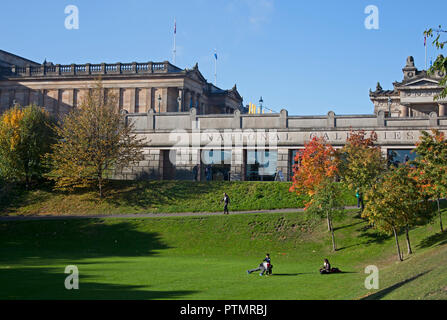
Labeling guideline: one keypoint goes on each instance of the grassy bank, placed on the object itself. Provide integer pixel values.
(154, 197)
(207, 258)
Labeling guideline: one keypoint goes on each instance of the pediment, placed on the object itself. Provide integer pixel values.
(424, 82)
(196, 75)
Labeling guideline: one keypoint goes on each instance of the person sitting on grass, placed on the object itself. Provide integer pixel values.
(265, 266)
(327, 268)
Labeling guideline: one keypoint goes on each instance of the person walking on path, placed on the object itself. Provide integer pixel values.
(226, 201)
(360, 204)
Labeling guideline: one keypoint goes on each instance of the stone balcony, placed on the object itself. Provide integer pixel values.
(88, 69)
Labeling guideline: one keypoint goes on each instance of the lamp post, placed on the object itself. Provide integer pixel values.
(159, 103)
(260, 104)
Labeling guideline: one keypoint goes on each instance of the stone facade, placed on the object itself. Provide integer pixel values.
(413, 96)
(183, 119)
(188, 133)
(140, 87)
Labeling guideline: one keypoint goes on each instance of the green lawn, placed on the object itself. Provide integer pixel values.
(207, 258)
(154, 197)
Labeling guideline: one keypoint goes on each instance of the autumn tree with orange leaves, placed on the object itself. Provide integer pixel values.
(431, 166)
(314, 174)
(361, 161)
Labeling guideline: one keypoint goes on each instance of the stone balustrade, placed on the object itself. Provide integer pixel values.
(153, 121)
(48, 70)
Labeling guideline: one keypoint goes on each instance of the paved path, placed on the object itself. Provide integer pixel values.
(146, 215)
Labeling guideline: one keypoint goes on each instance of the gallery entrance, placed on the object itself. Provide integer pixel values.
(168, 168)
(215, 165)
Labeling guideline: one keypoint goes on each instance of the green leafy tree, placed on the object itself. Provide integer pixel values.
(93, 143)
(362, 162)
(395, 203)
(431, 166)
(25, 137)
(328, 202)
(440, 63)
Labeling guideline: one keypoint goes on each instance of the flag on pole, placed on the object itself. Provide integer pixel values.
(215, 67)
(175, 26)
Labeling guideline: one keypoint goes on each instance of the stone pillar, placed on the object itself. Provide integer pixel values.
(71, 93)
(197, 103)
(180, 101)
(237, 171)
(150, 119)
(283, 118)
(132, 100)
(283, 162)
(237, 124)
(403, 111)
(331, 119)
(41, 98)
(441, 110)
(381, 118)
(433, 119)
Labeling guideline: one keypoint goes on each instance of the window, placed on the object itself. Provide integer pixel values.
(400, 156)
(216, 164)
(261, 165)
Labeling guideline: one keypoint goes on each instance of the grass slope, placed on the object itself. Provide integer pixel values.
(206, 258)
(154, 197)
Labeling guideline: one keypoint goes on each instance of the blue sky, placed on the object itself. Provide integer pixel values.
(306, 56)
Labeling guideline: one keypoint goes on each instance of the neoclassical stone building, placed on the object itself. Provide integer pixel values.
(413, 96)
(193, 129)
(159, 86)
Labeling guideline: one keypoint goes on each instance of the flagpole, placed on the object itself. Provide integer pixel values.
(175, 34)
(425, 45)
(215, 67)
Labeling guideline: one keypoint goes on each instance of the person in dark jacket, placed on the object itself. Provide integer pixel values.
(327, 268)
(226, 201)
(265, 266)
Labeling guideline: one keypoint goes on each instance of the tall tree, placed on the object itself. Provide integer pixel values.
(396, 203)
(93, 142)
(440, 63)
(25, 136)
(431, 164)
(314, 173)
(362, 162)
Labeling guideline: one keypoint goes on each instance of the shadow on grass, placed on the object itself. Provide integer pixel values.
(350, 246)
(14, 196)
(49, 283)
(75, 239)
(373, 237)
(65, 242)
(348, 225)
(288, 274)
(438, 238)
(382, 293)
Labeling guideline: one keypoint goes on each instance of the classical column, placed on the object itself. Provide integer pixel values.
(180, 100)
(186, 99)
(441, 110)
(132, 99)
(403, 111)
(197, 104)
